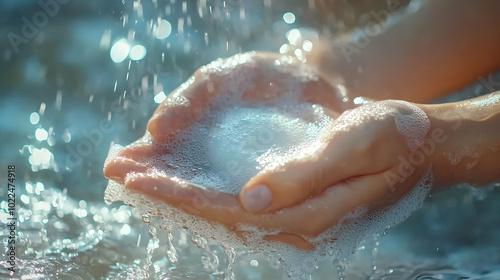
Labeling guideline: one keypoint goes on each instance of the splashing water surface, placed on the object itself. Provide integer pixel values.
(93, 75)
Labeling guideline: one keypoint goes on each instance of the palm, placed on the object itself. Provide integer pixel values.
(134, 165)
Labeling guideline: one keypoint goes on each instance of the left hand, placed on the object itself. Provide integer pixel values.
(270, 75)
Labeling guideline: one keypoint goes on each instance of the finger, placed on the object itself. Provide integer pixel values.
(192, 100)
(292, 239)
(213, 206)
(130, 160)
(273, 84)
(322, 93)
(183, 107)
(339, 200)
(300, 179)
(360, 191)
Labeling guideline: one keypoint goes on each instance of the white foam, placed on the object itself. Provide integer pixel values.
(233, 128)
(261, 135)
(465, 152)
(114, 149)
(485, 101)
(239, 137)
(232, 145)
(351, 231)
(410, 121)
(413, 124)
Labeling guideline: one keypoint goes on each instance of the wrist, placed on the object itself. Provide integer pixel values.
(469, 147)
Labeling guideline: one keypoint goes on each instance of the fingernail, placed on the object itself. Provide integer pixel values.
(256, 199)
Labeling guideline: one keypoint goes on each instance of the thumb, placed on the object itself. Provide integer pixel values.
(298, 180)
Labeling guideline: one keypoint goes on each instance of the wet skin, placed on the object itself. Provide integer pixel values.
(311, 194)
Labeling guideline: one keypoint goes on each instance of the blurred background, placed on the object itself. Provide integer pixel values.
(77, 76)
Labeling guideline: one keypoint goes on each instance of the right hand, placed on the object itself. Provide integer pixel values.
(366, 148)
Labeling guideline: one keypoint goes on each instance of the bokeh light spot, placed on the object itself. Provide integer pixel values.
(34, 118)
(138, 52)
(307, 46)
(160, 97)
(41, 134)
(284, 48)
(125, 230)
(119, 51)
(163, 29)
(293, 36)
(289, 17)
